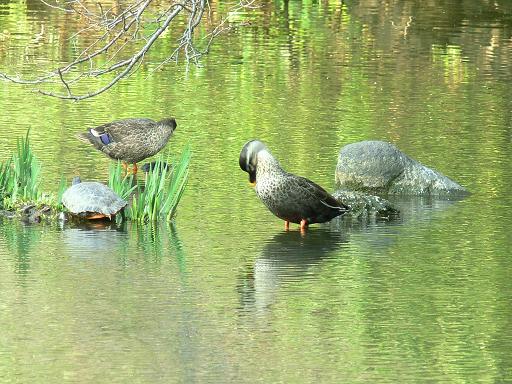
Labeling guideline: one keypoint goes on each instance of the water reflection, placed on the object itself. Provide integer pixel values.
(427, 293)
(93, 238)
(290, 256)
(423, 208)
(412, 210)
(19, 240)
(286, 257)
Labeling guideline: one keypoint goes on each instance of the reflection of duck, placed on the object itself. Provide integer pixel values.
(287, 257)
(130, 140)
(291, 198)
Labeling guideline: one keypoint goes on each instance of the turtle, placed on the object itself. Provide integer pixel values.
(291, 198)
(130, 140)
(92, 200)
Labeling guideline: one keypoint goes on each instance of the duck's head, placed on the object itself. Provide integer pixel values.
(249, 158)
(169, 123)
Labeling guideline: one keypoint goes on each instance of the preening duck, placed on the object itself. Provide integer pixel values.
(130, 140)
(291, 198)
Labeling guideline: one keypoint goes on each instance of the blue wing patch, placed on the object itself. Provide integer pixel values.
(105, 138)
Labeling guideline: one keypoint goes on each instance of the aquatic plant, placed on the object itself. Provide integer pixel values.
(19, 176)
(156, 198)
(162, 190)
(26, 171)
(5, 180)
(123, 186)
(62, 188)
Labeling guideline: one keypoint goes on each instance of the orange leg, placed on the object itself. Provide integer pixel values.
(303, 225)
(98, 216)
(124, 164)
(286, 225)
(135, 168)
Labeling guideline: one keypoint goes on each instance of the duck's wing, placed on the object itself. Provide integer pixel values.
(115, 132)
(316, 192)
(118, 130)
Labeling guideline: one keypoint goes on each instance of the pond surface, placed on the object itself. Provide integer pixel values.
(224, 294)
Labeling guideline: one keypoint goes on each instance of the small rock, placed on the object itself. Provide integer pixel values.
(7, 214)
(363, 205)
(28, 209)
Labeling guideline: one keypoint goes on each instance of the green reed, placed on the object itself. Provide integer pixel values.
(6, 180)
(62, 188)
(123, 186)
(157, 198)
(162, 190)
(19, 176)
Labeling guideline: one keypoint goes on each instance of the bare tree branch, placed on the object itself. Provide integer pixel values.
(56, 7)
(123, 42)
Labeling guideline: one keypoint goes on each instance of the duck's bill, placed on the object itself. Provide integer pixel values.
(252, 179)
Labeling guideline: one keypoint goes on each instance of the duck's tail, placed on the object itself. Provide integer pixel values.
(84, 136)
(98, 139)
(342, 208)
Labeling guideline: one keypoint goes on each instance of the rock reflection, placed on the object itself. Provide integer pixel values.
(423, 208)
(286, 257)
(413, 210)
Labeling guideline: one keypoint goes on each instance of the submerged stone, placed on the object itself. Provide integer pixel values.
(363, 205)
(29, 213)
(381, 168)
(7, 214)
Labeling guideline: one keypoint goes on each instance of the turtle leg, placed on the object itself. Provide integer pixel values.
(135, 168)
(124, 164)
(303, 225)
(286, 225)
(96, 216)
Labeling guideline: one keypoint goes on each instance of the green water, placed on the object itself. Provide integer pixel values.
(225, 295)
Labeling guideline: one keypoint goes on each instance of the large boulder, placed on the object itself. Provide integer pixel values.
(381, 168)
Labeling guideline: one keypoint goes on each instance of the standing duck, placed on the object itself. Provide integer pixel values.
(130, 140)
(291, 198)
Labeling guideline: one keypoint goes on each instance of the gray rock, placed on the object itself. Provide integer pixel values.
(8, 214)
(363, 205)
(381, 168)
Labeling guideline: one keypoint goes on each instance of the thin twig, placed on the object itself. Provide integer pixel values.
(56, 7)
(64, 82)
(128, 68)
(120, 49)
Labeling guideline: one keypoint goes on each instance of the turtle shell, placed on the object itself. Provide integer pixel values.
(94, 197)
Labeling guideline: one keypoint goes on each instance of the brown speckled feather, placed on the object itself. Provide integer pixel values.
(289, 197)
(131, 140)
(294, 198)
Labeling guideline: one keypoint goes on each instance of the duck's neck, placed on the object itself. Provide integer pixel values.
(165, 127)
(267, 164)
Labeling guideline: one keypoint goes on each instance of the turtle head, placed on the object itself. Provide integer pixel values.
(76, 180)
(249, 158)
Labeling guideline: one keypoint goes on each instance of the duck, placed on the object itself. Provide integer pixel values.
(292, 198)
(130, 140)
